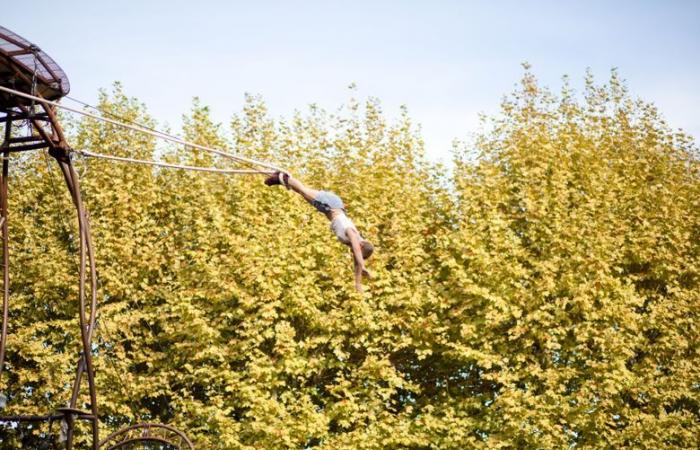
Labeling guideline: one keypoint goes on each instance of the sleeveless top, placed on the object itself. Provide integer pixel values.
(340, 225)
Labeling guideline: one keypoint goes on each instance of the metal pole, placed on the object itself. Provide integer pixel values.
(5, 242)
(87, 324)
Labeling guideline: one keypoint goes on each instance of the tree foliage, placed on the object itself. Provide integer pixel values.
(543, 296)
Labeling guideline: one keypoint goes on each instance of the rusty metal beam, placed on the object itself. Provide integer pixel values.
(39, 116)
(5, 246)
(29, 418)
(19, 52)
(87, 323)
(20, 139)
(27, 147)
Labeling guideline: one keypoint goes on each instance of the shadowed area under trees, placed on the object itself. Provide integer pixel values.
(544, 297)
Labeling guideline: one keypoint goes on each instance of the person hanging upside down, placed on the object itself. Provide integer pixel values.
(332, 206)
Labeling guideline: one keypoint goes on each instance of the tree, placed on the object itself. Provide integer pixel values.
(572, 282)
(545, 296)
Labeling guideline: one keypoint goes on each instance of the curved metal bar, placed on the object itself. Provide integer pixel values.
(126, 443)
(93, 305)
(70, 424)
(86, 323)
(5, 242)
(90, 255)
(124, 436)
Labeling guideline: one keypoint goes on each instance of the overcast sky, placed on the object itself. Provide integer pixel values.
(446, 60)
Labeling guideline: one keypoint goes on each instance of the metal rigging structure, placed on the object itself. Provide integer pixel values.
(30, 83)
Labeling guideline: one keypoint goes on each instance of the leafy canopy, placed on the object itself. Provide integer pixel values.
(543, 296)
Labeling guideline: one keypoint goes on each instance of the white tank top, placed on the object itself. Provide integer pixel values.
(340, 225)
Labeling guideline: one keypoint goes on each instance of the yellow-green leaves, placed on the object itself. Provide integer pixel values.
(545, 296)
(580, 223)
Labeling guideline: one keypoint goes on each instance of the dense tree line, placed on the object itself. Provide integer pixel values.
(541, 293)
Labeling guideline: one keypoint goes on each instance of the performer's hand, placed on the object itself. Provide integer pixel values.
(358, 286)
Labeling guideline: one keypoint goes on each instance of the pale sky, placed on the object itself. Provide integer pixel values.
(446, 60)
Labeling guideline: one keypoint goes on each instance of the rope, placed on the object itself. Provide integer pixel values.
(117, 116)
(171, 166)
(125, 120)
(107, 339)
(157, 134)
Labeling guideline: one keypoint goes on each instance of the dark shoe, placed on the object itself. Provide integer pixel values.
(273, 179)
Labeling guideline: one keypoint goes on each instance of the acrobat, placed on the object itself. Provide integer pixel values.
(333, 208)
